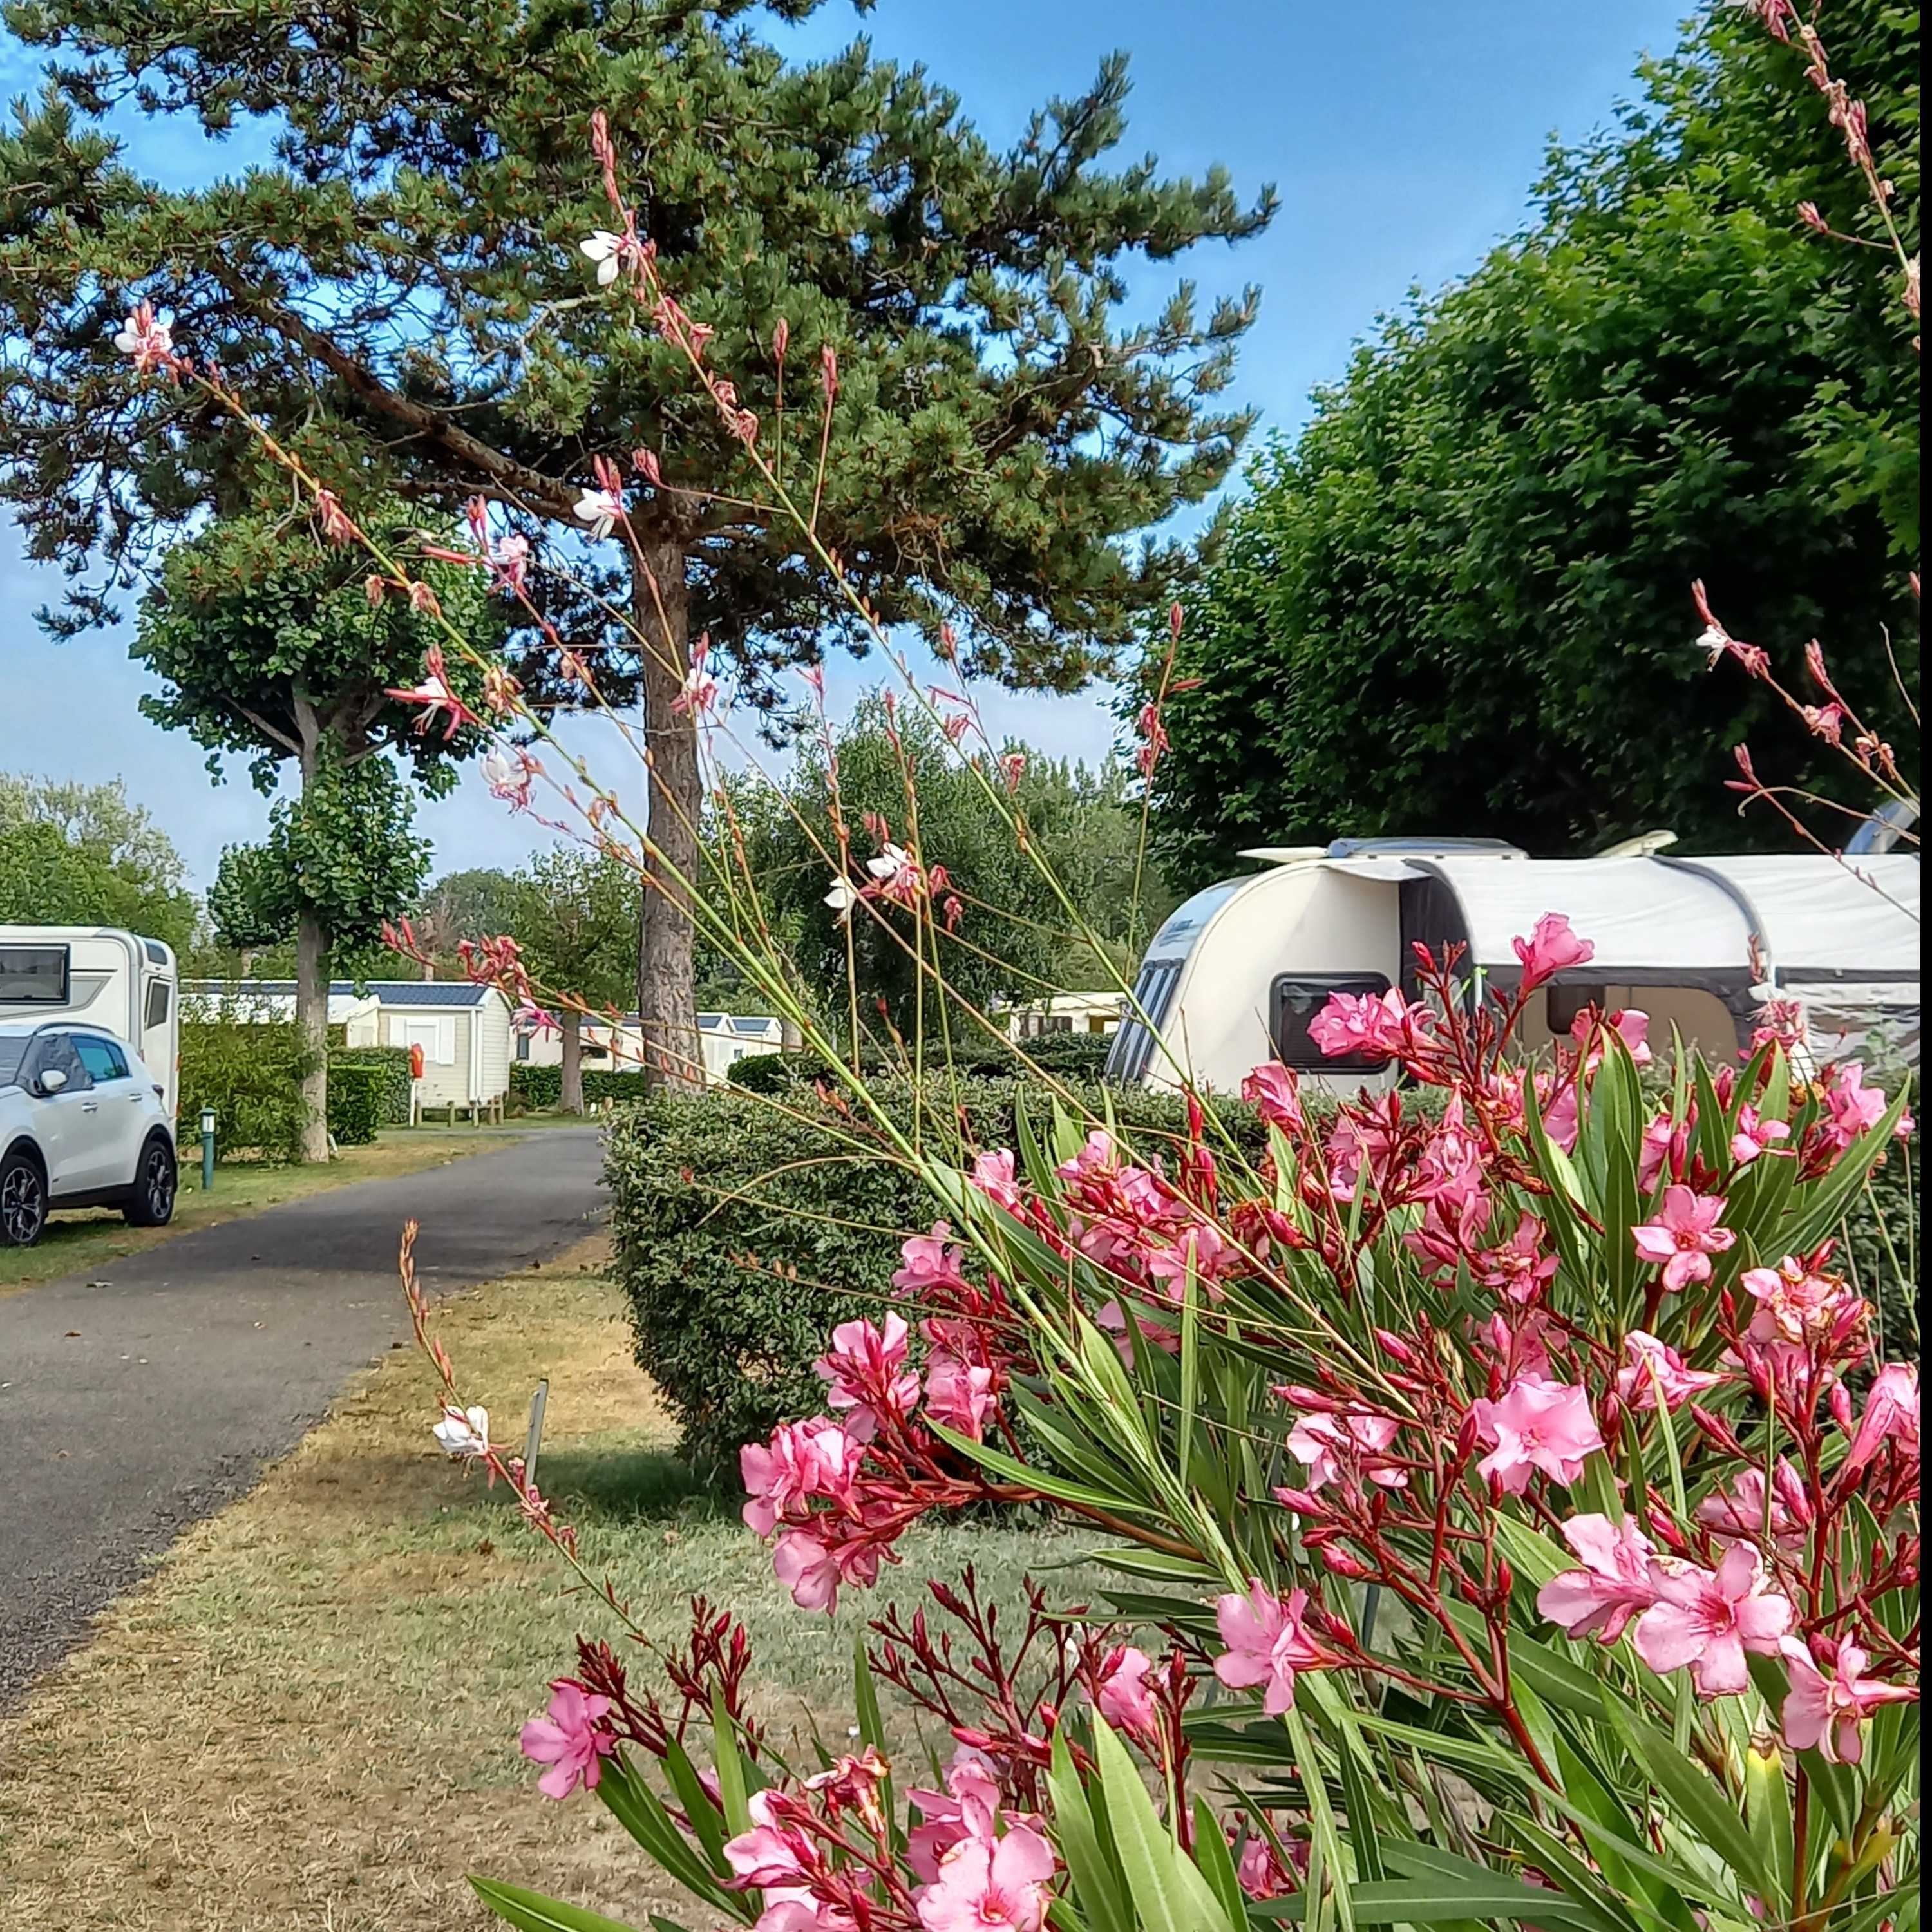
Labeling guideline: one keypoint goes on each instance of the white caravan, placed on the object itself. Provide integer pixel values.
(106, 977)
(1235, 975)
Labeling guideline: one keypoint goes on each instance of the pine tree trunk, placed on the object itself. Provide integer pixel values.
(312, 1028)
(667, 996)
(571, 1098)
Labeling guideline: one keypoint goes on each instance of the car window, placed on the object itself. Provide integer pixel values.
(102, 1059)
(54, 1050)
(12, 1051)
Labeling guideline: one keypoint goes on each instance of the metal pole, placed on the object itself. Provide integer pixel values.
(207, 1150)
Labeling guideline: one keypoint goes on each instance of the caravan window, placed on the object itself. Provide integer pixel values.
(33, 975)
(1296, 1000)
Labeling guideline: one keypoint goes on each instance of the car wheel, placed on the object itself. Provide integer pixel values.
(23, 1200)
(152, 1203)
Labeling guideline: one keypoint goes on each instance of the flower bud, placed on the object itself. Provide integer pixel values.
(1394, 1345)
(1345, 1563)
(1467, 1435)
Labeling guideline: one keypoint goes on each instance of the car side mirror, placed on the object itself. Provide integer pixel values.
(52, 1081)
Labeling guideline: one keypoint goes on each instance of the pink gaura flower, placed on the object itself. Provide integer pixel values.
(986, 1885)
(1829, 1712)
(573, 1740)
(865, 1372)
(1618, 1579)
(992, 1175)
(1330, 1444)
(1538, 1425)
(1652, 1363)
(959, 1394)
(802, 1460)
(1740, 1511)
(432, 692)
(928, 1261)
(1550, 948)
(1684, 1236)
(1272, 1089)
(969, 1807)
(1267, 1645)
(1892, 1415)
(1708, 1619)
(1375, 1026)
(1754, 1136)
(1124, 1699)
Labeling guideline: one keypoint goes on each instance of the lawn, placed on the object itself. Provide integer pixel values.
(72, 1242)
(307, 1716)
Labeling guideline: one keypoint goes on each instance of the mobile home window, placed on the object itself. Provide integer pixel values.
(33, 975)
(156, 1011)
(1295, 1002)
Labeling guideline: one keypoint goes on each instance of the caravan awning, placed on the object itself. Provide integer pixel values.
(1817, 919)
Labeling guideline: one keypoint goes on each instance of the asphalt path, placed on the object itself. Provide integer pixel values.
(131, 1405)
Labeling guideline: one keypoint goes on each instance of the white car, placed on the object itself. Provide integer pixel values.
(83, 1123)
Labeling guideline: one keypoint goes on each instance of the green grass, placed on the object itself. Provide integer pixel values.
(309, 1716)
(97, 1236)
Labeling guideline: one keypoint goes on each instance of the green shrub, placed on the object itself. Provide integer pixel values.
(251, 1074)
(356, 1103)
(742, 1234)
(539, 1090)
(763, 1073)
(393, 1063)
(1079, 1056)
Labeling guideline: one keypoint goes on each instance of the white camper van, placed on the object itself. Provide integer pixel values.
(1236, 974)
(106, 977)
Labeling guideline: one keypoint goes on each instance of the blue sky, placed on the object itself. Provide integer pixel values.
(1402, 137)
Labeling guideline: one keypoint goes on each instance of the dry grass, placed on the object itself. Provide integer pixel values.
(91, 1239)
(307, 1716)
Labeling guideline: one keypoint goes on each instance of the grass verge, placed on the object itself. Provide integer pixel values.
(89, 1239)
(307, 1718)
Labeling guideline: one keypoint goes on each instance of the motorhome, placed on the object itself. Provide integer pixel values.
(1237, 972)
(108, 978)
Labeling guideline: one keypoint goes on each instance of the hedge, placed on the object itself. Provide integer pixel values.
(701, 1183)
(250, 1074)
(539, 1090)
(355, 1102)
(1079, 1056)
(393, 1063)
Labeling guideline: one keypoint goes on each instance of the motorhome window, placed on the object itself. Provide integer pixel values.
(1565, 1004)
(33, 975)
(156, 1010)
(1293, 1004)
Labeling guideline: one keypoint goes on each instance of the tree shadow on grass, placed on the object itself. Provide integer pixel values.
(635, 1485)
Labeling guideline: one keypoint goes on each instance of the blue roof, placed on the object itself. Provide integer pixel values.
(391, 992)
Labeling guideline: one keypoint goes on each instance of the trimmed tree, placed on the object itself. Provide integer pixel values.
(269, 648)
(400, 293)
(1460, 602)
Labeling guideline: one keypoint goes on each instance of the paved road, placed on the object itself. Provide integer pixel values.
(129, 1409)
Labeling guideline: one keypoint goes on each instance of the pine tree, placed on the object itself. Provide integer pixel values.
(401, 293)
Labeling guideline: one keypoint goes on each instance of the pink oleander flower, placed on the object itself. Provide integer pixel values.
(968, 1808)
(147, 338)
(1201, 1246)
(1519, 1268)
(990, 1885)
(929, 1262)
(1708, 1619)
(1563, 1117)
(1855, 1109)
(1518, 1344)
(1793, 1303)
(992, 1174)
(792, 1908)
(433, 693)
(1375, 1026)
(1740, 1511)
(1551, 948)
(1684, 1236)
(1618, 1579)
(959, 1393)
(802, 1460)
(864, 1369)
(1638, 1386)
(1124, 1699)
(1755, 1136)
(1262, 1872)
(813, 1570)
(1266, 1645)
(1892, 1415)
(573, 1740)
(1273, 1090)
(1329, 1444)
(1666, 1143)
(1629, 1025)
(1538, 1425)
(772, 1853)
(1829, 1712)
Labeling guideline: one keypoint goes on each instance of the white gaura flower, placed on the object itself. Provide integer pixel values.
(606, 250)
(842, 897)
(147, 336)
(463, 1432)
(603, 510)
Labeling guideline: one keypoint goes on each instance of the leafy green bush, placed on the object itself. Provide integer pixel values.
(1080, 1055)
(764, 1073)
(742, 1234)
(538, 1090)
(356, 1096)
(393, 1063)
(251, 1074)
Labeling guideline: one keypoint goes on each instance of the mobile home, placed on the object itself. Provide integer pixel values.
(1236, 974)
(107, 977)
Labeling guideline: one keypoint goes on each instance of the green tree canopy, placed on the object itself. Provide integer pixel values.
(74, 854)
(400, 292)
(1459, 601)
